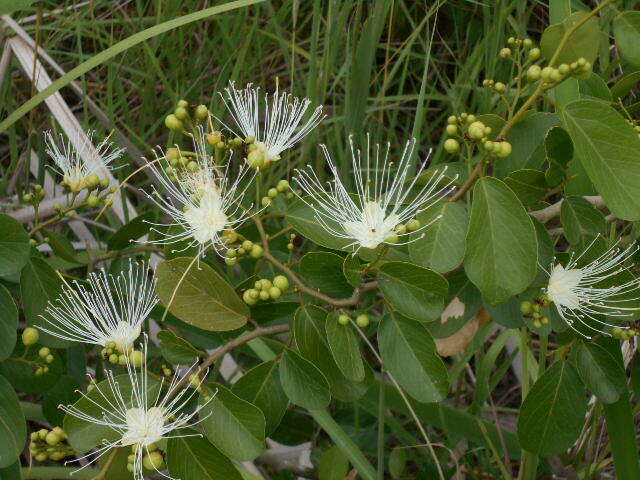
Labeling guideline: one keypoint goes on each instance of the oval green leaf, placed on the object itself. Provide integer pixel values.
(584, 41)
(13, 428)
(344, 347)
(323, 271)
(626, 29)
(14, 246)
(8, 323)
(303, 383)
(601, 372)
(176, 349)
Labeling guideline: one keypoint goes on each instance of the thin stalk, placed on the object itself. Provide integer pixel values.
(381, 428)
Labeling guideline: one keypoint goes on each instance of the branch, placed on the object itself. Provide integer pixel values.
(552, 211)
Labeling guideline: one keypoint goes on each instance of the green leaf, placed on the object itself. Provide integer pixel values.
(20, 370)
(527, 138)
(261, 387)
(623, 87)
(302, 219)
(176, 349)
(501, 258)
(351, 270)
(414, 291)
(39, 285)
(309, 332)
(8, 323)
(62, 393)
(441, 245)
(323, 271)
(14, 246)
(608, 149)
(61, 246)
(202, 297)
(303, 383)
(130, 231)
(583, 42)
(601, 372)
(344, 347)
(558, 146)
(626, 30)
(11, 6)
(397, 462)
(13, 427)
(529, 185)
(594, 87)
(195, 458)
(552, 415)
(233, 425)
(580, 219)
(333, 465)
(83, 435)
(409, 353)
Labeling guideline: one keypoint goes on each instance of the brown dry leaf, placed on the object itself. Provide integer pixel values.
(457, 342)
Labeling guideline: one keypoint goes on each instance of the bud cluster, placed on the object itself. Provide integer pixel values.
(246, 249)
(185, 114)
(636, 127)
(30, 337)
(551, 76)
(265, 289)
(362, 320)
(624, 333)
(116, 356)
(49, 445)
(152, 459)
(466, 127)
(281, 187)
(533, 310)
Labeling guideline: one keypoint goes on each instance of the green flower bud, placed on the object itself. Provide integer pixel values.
(476, 130)
(452, 120)
(48, 358)
(289, 246)
(451, 129)
(43, 352)
(153, 461)
(505, 150)
(266, 201)
(533, 73)
(30, 336)
(113, 358)
(564, 69)
(282, 186)
(248, 298)
(136, 358)
(343, 319)
(451, 145)
(27, 198)
(122, 360)
(555, 75)
(537, 323)
(526, 308)
(273, 192)
(231, 261)
(505, 53)
(527, 43)
(470, 118)
(52, 439)
(214, 138)
(275, 292)
(57, 456)
(264, 295)
(256, 252)
(92, 181)
(255, 159)
(183, 103)
(413, 225)
(281, 282)
(500, 87)
(546, 73)
(202, 112)
(42, 457)
(534, 53)
(544, 320)
(362, 320)
(173, 123)
(511, 41)
(93, 201)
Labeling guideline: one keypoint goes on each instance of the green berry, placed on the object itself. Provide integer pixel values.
(248, 299)
(505, 53)
(451, 145)
(183, 103)
(43, 352)
(282, 186)
(30, 336)
(451, 120)
(526, 308)
(172, 122)
(181, 113)
(563, 69)
(202, 112)
(505, 150)
(546, 73)
(533, 73)
(272, 193)
(413, 225)
(534, 53)
(247, 244)
(274, 292)
(93, 201)
(500, 87)
(343, 319)
(252, 293)
(527, 43)
(451, 129)
(476, 130)
(48, 358)
(153, 461)
(264, 295)
(136, 358)
(256, 251)
(281, 282)
(362, 320)
(52, 438)
(537, 323)
(266, 201)
(289, 246)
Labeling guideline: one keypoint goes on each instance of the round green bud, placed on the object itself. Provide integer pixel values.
(451, 145)
(247, 298)
(48, 358)
(33, 242)
(362, 320)
(527, 43)
(534, 53)
(505, 150)
(43, 352)
(202, 112)
(253, 293)
(533, 73)
(231, 261)
(153, 461)
(555, 76)
(537, 323)
(30, 336)
(546, 72)
(181, 113)
(452, 120)
(413, 225)
(476, 130)
(272, 192)
(400, 229)
(526, 308)
(281, 282)
(39, 371)
(564, 69)
(282, 186)
(60, 432)
(27, 198)
(266, 201)
(136, 357)
(93, 201)
(511, 41)
(173, 123)
(544, 320)
(451, 129)
(582, 62)
(505, 53)
(45, 369)
(42, 433)
(42, 457)
(57, 456)
(247, 244)
(183, 103)
(343, 319)
(231, 253)
(586, 67)
(34, 436)
(275, 292)
(499, 87)
(289, 246)
(52, 438)
(92, 181)
(535, 307)
(255, 159)
(470, 118)
(122, 360)
(264, 295)
(256, 251)
(193, 166)
(214, 138)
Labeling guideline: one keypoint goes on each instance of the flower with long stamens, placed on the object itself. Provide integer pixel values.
(76, 161)
(383, 203)
(583, 294)
(279, 127)
(204, 203)
(108, 311)
(140, 410)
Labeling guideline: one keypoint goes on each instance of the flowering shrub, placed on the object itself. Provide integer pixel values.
(373, 299)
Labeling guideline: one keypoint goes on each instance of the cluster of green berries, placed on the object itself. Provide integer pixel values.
(551, 76)
(362, 320)
(152, 459)
(468, 128)
(247, 248)
(92, 183)
(185, 114)
(49, 445)
(519, 46)
(30, 336)
(265, 289)
(292, 238)
(635, 126)
(220, 142)
(35, 196)
(281, 187)
(533, 309)
(624, 333)
(113, 355)
(400, 229)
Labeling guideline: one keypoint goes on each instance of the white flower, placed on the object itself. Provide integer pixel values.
(282, 115)
(382, 203)
(204, 203)
(140, 419)
(72, 163)
(579, 294)
(109, 310)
